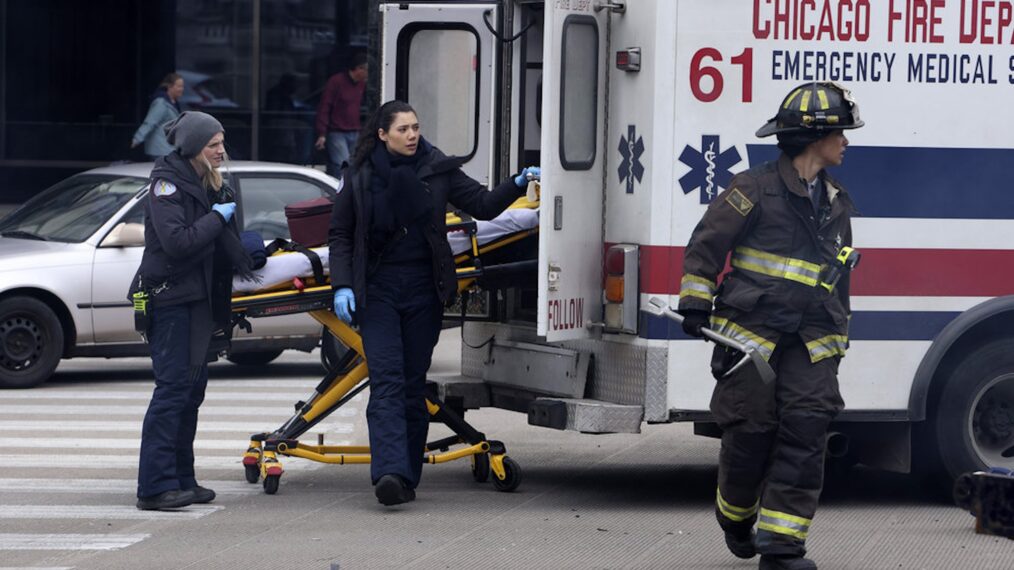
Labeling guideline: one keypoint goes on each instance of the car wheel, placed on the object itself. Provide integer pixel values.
(31, 342)
(974, 423)
(259, 358)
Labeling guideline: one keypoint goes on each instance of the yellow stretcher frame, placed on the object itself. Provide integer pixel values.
(261, 461)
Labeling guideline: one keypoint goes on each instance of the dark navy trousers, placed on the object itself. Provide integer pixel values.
(400, 325)
(167, 437)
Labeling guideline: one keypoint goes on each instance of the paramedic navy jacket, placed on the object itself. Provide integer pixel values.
(444, 181)
(183, 236)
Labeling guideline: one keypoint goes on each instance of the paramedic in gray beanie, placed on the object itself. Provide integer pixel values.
(181, 295)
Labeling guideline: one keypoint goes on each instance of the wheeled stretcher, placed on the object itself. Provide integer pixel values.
(347, 375)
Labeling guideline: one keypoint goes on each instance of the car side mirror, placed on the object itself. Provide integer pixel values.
(125, 234)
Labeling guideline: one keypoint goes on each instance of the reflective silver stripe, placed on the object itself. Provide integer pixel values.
(798, 270)
(744, 336)
(732, 512)
(783, 523)
(694, 286)
(827, 347)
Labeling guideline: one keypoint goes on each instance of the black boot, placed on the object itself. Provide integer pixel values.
(203, 495)
(393, 490)
(168, 500)
(769, 562)
(741, 543)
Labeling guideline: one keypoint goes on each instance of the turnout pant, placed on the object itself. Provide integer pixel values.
(170, 424)
(771, 465)
(400, 323)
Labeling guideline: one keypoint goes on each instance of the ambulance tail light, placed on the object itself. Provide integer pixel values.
(621, 294)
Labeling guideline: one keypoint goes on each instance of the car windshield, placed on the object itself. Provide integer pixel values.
(73, 209)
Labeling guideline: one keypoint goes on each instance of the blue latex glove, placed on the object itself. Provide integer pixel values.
(226, 209)
(521, 180)
(344, 304)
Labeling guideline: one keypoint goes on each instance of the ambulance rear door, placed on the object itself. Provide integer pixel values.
(573, 153)
(440, 59)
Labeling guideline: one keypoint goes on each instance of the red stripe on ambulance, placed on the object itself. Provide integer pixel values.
(886, 272)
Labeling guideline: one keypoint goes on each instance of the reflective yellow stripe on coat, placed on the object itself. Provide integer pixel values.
(744, 336)
(694, 286)
(827, 346)
(798, 270)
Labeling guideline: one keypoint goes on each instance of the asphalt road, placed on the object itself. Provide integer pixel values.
(69, 453)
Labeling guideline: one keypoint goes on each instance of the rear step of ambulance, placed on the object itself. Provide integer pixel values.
(546, 382)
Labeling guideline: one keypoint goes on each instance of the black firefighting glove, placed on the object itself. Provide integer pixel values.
(695, 320)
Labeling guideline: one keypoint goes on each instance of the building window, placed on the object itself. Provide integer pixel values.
(448, 109)
(579, 93)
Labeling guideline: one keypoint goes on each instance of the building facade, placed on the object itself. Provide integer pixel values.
(77, 77)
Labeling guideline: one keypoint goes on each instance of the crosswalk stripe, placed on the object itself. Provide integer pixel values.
(104, 512)
(74, 461)
(111, 486)
(37, 568)
(40, 426)
(288, 398)
(112, 443)
(15, 541)
(280, 410)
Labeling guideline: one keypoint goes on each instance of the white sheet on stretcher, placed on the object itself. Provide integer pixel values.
(280, 269)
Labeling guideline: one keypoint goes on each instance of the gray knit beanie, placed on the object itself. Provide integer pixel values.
(191, 131)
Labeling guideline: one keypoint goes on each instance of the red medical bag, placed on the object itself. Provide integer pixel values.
(308, 221)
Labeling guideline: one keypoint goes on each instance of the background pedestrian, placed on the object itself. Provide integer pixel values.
(164, 107)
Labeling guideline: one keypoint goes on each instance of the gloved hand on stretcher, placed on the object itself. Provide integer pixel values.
(344, 304)
(521, 180)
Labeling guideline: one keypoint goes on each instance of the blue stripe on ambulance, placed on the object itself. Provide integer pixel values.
(907, 182)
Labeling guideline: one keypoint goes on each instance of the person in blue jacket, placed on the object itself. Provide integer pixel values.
(393, 272)
(164, 107)
(191, 249)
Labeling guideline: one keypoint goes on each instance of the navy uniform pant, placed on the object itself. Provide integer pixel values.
(771, 465)
(167, 436)
(400, 324)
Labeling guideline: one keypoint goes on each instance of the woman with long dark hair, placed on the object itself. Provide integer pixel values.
(392, 272)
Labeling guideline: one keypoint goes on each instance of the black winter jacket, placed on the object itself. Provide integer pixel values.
(442, 178)
(189, 250)
(780, 246)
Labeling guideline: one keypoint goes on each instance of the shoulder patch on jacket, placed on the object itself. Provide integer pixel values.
(737, 200)
(163, 188)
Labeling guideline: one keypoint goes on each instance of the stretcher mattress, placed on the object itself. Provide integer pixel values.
(283, 267)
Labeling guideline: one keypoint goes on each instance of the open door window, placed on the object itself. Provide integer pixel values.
(439, 59)
(570, 233)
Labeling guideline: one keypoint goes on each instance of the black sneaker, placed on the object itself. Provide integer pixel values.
(768, 562)
(203, 495)
(392, 490)
(741, 545)
(169, 500)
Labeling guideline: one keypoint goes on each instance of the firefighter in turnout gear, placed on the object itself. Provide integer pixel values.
(787, 227)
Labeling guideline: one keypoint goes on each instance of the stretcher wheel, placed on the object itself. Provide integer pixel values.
(512, 478)
(252, 472)
(480, 467)
(271, 484)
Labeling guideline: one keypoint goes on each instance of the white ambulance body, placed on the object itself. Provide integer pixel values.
(640, 112)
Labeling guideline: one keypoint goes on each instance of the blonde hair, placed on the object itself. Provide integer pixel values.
(211, 178)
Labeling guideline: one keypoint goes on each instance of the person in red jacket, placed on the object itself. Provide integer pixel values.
(338, 113)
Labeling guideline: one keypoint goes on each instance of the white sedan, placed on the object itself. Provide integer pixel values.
(67, 257)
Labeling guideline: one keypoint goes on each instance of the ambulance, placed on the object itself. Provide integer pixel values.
(639, 113)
